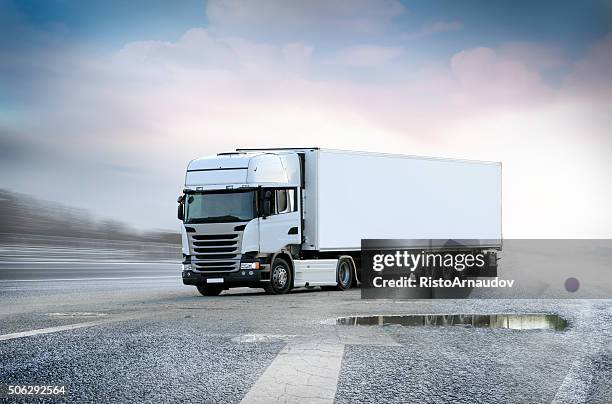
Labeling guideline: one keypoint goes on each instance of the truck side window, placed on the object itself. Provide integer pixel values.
(281, 201)
(284, 201)
(292, 205)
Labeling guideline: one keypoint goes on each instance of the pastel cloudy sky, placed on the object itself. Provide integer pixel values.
(102, 104)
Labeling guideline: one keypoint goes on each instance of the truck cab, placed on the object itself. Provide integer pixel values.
(242, 215)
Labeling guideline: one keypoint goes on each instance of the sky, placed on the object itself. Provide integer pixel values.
(103, 104)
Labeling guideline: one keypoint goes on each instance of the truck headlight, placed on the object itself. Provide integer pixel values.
(249, 265)
(186, 267)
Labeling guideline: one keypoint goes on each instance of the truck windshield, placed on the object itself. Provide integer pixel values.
(220, 206)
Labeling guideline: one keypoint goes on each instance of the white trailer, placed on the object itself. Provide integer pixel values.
(283, 218)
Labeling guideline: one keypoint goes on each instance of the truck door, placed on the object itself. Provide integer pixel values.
(282, 226)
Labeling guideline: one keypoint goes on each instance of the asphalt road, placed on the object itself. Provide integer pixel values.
(133, 333)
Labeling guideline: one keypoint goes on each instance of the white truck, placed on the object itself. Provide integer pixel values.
(295, 217)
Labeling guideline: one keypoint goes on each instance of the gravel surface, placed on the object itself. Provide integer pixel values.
(159, 341)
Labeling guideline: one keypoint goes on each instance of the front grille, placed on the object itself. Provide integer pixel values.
(215, 266)
(215, 256)
(220, 268)
(213, 243)
(215, 236)
(216, 248)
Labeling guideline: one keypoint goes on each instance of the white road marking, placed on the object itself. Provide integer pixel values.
(576, 385)
(91, 279)
(49, 330)
(68, 327)
(79, 261)
(300, 373)
(77, 314)
(307, 370)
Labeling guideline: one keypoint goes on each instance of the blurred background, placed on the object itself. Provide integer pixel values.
(38, 235)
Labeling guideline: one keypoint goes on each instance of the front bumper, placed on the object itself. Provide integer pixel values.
(243, 277)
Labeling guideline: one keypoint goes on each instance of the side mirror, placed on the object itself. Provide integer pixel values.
(267, 204)
(181, 208)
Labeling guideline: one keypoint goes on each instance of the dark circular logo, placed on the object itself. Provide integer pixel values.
(572, 284)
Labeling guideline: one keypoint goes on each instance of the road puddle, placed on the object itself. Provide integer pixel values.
(509, 321)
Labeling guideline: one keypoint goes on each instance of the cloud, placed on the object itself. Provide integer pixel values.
(367, 55)
(298, 55)
(196, 48)
(483, 74)
(591, 74)
(434, 28)
(543, 57)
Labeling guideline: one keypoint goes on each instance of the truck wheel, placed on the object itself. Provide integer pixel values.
(344, 274)
(280, 278)
(208, 290)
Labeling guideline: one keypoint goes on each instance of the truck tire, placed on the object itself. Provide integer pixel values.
(208, 290)
(280, 278)
(344, 273)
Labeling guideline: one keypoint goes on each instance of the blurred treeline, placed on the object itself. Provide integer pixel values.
(22, 214)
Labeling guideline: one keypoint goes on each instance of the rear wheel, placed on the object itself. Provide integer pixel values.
(280, 278)
(209, 290)
(345, 273)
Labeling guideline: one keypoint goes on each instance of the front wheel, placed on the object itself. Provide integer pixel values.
(209, 290)
(280, 278)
